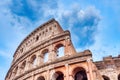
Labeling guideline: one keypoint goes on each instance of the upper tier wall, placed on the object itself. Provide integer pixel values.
(42, 33)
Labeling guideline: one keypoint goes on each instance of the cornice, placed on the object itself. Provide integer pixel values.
(48, 42)
(34, 31)
(65, 59)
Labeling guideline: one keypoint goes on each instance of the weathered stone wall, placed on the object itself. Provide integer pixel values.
(109, 67)
(37, 58)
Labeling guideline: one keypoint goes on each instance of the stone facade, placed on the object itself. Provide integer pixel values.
(39, 57)
(109, 68)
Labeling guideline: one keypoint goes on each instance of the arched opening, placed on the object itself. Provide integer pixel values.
(23, 66)
(105, 77)
(16, 69)
(41, 78)
(58, 76)
(80, 74)
(119, 77)
(59, 50)
(45, 55)
(9, 76)
(33, 61)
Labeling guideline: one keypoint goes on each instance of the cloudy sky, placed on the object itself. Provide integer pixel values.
(94, 25)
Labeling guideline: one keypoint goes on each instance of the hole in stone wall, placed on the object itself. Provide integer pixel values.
(21, 50)
(40, 34)
(37, 38)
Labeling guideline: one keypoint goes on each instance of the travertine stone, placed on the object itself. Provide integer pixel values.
(28, 60)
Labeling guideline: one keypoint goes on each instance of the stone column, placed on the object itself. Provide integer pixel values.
(48, 75)
(67, 71)
(52, 53)
(40, 60)
(33, 76)
(88, 75)
(19, 70)
(69, 49)
(90, 69)
(71, 77)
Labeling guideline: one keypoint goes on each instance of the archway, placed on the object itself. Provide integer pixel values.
(16, 69)
(105, 77)
(80, 74)
(45, 55)
(33, 61)
(23, 66)
(58, 76)
(41, 78)
(59, 50)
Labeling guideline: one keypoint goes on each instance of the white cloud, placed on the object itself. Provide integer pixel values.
(11, 33)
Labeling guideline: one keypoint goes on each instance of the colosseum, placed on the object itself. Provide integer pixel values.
(47, 53)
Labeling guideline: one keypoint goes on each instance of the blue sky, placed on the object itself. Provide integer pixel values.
(94, 25)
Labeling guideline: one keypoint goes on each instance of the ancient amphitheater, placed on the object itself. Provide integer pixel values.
(48, 54)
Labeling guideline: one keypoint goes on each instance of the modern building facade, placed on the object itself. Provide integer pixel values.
(48, 54)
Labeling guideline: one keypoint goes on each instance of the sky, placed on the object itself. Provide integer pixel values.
(94, 25)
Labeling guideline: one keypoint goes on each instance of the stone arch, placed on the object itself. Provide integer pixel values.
(58, 76)
(105, 77)
(33, 61)
(79, 73)
(40, 78)
(9, 75)
(23, 65)
(119, 77)
(59, 48)
(16, 69)
(45, 55)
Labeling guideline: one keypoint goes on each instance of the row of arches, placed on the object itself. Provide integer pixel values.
(46, 32)
(45, 55)
(78, 74)
(40, 58)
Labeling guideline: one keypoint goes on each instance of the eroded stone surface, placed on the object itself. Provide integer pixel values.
(38, 58)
